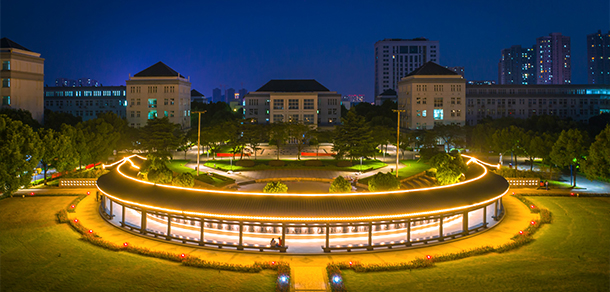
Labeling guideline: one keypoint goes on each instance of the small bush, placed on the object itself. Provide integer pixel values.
(340, 185)
(427, 153)
(383, 182)
(344, 163)
(184, 180)
(275, 187)
(161, 175)
(75, 203)
(62, 216)
(313, 163)
(278, 163)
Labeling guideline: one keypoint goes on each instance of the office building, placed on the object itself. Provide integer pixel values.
(22, 79)
(395, 58)
(598, 58)
(517, 66)
(578, 102)
(242, 92)
(481, 82)
(553, 59)
(388, 94)
(302, 101)
(158, 91)
(432, 95)
(229, 95)
(65, 82)
(87, 82)
(457, 69)
(86, 102)
(197, 96)
(216, 95)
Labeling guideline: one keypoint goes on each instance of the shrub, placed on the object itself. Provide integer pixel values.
(426, 154)
(340, 185)
(276, 163)
(383, 182)
(184, 180)
(62, 216)
(344, 163)
(510, 172)
(244, 163)
(74, 203)
(449, 168)
(275, 187)
(161, 175)
(313, 163)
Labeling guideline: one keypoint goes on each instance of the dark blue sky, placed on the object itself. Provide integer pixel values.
(231, 43)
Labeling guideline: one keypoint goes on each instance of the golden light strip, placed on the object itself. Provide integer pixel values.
(301, 195)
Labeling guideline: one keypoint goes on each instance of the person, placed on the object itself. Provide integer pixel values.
(279, 242)
(546, 183)
(272, 243)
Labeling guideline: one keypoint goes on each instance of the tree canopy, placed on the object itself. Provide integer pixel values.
(597, 164)
(20, 152)
(449, 167)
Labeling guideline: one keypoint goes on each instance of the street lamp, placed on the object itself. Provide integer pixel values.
(198, 137)
(360, 165)
(397, 137)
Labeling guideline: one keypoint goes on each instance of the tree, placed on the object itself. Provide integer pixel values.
(278, 133)
(56, 149)
(275, 187)
(20, 152)
(300, 133)
(160, 135)
(100, 138)
(354, 138)
(597, 164)
(449, 168)
(448, 134)
(24, 116)
(184, 180)
(383, 136)
(54, 120)
(340, 185)
(254, 135)
(78, 141)
(569, 150)
(509, 140)
(120, 128)
(383, 182)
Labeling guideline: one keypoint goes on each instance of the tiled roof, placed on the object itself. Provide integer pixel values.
(432, 68)
(388, 92)
(196, 93)
(158, 70)
(6, 43)
(293, 85)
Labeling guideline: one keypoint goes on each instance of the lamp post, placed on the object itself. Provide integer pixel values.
(397, 137)
(198, 137)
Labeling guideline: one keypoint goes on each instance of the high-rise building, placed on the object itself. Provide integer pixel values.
(517, 66)
(553, 59)
(395, 58)
(22, 79)
(87, 82)
(242, 93)
(456, 69)
(598, 58)
(216, 95)
(158, 91)
(229, 95)
(65, 82)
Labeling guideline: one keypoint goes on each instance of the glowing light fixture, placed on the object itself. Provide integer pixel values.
(336, 279)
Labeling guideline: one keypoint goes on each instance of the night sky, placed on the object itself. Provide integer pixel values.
(244, 44)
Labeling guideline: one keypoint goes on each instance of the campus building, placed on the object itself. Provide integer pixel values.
(598, 58)
(432, 95)
(395, 58)
(158, 91)
(388, 94)
(517, 66)
(86, 102)
(304, 101)
(22, 78)
(578, 102)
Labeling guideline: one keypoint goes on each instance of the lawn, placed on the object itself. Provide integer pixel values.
(177, 165)
(571, 254)
(38, 254)
(328, 164)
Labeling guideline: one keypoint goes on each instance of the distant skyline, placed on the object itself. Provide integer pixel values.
(216, 43)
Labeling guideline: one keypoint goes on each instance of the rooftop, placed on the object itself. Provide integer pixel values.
(6, 43)
(196, 93)
(389, 92)
(292, 85)
(431, 68)
(158, 70)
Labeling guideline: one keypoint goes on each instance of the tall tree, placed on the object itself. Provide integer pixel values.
(20, 152)
(384, 136)
(448, 134)
(254, 135)
(509, 140)
(569, 150)
(101, 139)
(354, 138)
(56, 149)
(54, 120)
(597, 164)
(161, 136)
(300, 134)
(481, 137)
(78, 141)
(278, 134)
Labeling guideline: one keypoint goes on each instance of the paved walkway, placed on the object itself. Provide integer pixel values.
(308, 271)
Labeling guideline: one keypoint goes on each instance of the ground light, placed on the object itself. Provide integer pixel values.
(520, 231)
(182, 255)
(125, 244)
(337, 279)
(75, 220)
(284, 279)
(533, 222)
(90, 230)
(428, 256)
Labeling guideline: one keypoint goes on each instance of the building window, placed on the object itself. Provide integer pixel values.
(438, 88)
(165, 101)
(165, 114)
(459, 100)
(438, 102)
(171, 114)
(278, 118)
(97, 93)
(453, 100)
(308, 119)
(6, 82)
(293, 118)
(6, 100)
(172, 101)
(438, 114)
(332, 111)
(133, 114)
(424, 100)
(138, 101)
(293, 104)
(6, 65)
(137, 114)
(423, 113)
(87, 93)
(453, 113)
(418, 100)
(308, 104)
(152, 103)
(278, 104)
(152, 89)
(332, 101)
(152, 114)
(252, 101)
(424, 87)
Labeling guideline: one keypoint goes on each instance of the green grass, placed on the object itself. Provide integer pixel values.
(571, 254)
(263, 164)
(177, 165)
(38, 254)
(412, 167)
